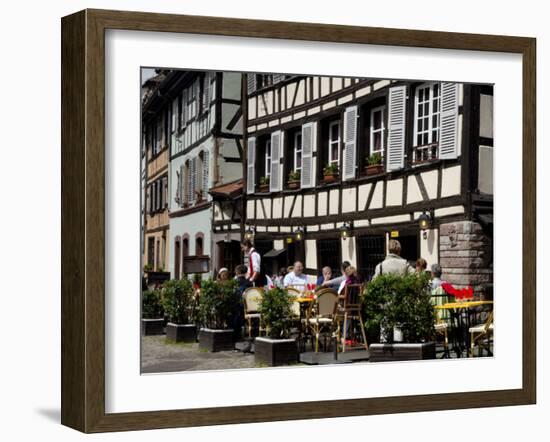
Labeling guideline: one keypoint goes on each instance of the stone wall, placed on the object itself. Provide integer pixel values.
(466, 254)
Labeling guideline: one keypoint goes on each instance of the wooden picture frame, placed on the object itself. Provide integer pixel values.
(83, 216)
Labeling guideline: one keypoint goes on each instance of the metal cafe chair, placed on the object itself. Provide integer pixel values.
(482, 336)
(442, 321)
(252, 297)
(322, 315)
(350, 310)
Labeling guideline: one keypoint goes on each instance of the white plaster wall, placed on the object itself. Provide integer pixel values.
(322, 202)
(450, 181)
(348, 199)
(430, 183)
(311, 254)
(394, 192)
(486, 116)
(277, 207)
(485, 169)
(363, 190)
(334, 202)
(378, 196)
(429, 247)
(348, 250)
(413, 191)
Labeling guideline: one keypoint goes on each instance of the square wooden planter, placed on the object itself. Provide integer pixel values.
(274, 352)
(401, 352)
(151, 327)
(216, 340)
(181, 332)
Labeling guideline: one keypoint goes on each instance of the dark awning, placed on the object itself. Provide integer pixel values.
(273, 253)
(486, 219)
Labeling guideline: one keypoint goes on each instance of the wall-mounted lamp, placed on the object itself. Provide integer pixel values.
(299, 233)
(249, 234)
(345, 230)
(425, 221)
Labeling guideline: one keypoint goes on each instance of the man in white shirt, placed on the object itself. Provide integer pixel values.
(296, 278)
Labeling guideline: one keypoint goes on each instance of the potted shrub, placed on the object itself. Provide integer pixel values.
(218, 310)
(374, 164)
(152, 314)
(294, 179)
(401, 308)
(178, 302)
(264, 184)
(330, 173)
(277, 348)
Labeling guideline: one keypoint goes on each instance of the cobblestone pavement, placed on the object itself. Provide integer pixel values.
(157, 356)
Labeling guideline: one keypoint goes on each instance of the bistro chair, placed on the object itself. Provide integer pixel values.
(442, 321)
(482, 336)
(252, 297)
(349, 316)
(322, 314)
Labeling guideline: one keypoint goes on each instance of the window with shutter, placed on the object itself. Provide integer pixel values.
(427, 105)
(251, 82)
(377, 128)
(448, 139)
(276, 178)
(350, 143)
(278, 77)
(251, 158)
(308, 149)
(396, 128)
(165, 192)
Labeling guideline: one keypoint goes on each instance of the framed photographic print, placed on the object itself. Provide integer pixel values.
(267, 221)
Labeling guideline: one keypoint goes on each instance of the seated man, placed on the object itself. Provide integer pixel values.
(335, 283)
(240, 276)
(296, 278)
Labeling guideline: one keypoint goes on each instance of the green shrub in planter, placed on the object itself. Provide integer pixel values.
(276, 312)
(219, 303)
(151, 305)
(178, 300)
(403, 302)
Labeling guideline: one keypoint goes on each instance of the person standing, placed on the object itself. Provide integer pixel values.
(393, 262)
(255, 276)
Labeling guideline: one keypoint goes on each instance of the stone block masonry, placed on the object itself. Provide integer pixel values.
(466, 254)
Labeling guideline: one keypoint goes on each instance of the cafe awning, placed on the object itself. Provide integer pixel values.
(274, 253)
(228, 191)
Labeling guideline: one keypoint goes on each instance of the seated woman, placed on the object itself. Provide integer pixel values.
(350, 278)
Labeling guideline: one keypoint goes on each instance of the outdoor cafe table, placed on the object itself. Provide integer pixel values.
(461, 322)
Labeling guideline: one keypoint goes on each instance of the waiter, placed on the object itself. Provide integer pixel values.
(255, 275)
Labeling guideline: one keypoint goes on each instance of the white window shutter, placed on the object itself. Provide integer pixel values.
(350, 143)
(448, 137)
(396, 128)
(275, 183)
(184, 109)
(278, 77)
(251, 82)
(251, 170)
(309, 146)
(174, 115)
(205, 172)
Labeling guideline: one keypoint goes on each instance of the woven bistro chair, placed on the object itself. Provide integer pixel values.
(252, 297)
(322, 314)
(482, 336)
(349, 317)
(442, 321)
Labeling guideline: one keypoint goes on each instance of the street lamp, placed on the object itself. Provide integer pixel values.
(345, 231)
(299, 233)
(425, 221)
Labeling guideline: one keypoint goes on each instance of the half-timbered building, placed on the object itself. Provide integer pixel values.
(205, 152)
(338, 166)
(155, 132)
